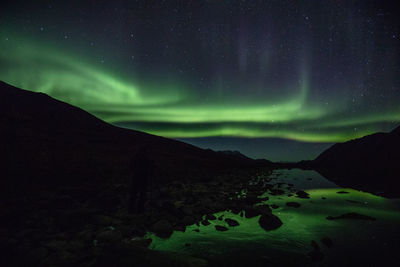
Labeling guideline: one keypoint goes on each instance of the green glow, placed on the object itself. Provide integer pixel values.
(178, 106)
(300, 225)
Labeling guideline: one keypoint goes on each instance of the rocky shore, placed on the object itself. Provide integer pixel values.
(59, 229)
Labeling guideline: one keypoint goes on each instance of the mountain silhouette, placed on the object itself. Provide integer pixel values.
(48, 143)
(370, 163)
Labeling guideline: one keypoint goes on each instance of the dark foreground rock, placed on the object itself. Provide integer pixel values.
(327, 241)
(269, 222)
(352, 215)
(293, 204)
(302, 194)
(221, 228)
(231, 222)
(162, 228)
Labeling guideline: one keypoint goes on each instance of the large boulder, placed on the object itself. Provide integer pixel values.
(162, 228)
(269, 222)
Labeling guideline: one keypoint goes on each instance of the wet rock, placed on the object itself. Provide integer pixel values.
(210, 217)
(314, 245)
(342, 192)
(86, 235)
(56, 245)
(187, 210)
(269, 222)
(316, 255)
(180, 228)
(188, 220)
(220, 218)
(109, 236)
(302, 194)
(327, 241)
(141, 242)
(105, 220)
(263, 208)
(274, 206)
(352, 215)
(38, 254)
(277, 192)
(250, 212)
(205, 222)
(252, 199)
(162, 228)
(353, 201)
(231, 222)
(221, 228)
(293, 204)
(76, 245)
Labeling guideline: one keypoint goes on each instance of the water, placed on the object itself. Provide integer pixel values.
(354, 241)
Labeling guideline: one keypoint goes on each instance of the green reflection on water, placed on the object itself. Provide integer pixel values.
(364, 240)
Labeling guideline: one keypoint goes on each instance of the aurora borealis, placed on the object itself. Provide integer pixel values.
(310, 71)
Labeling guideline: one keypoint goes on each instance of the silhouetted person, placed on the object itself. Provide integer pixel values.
(140, 173)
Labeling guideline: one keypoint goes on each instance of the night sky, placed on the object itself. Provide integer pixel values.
(275, 79)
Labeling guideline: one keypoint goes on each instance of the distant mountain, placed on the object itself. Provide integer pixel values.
(46, 143)
(370, 163)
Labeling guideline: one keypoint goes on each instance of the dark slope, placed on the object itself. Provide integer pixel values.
(370, 163)
(46, 142)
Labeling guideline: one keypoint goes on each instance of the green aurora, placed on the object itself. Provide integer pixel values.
(173, 108)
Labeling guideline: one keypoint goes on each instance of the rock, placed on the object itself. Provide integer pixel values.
(141, 242)
(323, 198)
(86, 235)
(269, 222)
(316, 255)
(162, 228)
(180, 228)
(105, 220)
(205, 222)
(56, 245)
(314, 245)
(353, 201)
(302, 194)
(327, 241)
(263, 208)
(250, 212)
(352, 215)
(220, 218)
(231, 222)
(210, 217)
(187, 210)
(274, 206)
(277, 192)
(221, 228)
(76, 245)
(109, 236)
(188, 220)
(293, 204)
(252, 199)
(38, 254)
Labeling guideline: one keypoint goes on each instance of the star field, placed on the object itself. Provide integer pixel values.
(310, 71)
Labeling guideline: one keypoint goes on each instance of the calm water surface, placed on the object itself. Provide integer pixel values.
(355, 242)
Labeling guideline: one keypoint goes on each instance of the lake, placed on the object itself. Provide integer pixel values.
(354, 242)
